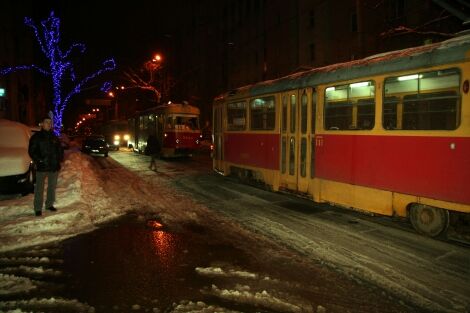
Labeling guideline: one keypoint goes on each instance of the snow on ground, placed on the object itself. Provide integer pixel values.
(87, 197)
(81, 202)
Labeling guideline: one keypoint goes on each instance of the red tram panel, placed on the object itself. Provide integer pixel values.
(409, 164)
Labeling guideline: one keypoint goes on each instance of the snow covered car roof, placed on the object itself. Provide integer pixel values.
(14, 134)
(14, 142)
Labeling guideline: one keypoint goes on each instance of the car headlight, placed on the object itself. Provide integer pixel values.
(117, 137)
(126, 137)
(116, 142)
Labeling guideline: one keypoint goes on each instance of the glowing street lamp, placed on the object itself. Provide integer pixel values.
(157, 58)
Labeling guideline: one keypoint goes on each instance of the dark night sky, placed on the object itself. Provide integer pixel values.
(128, 32)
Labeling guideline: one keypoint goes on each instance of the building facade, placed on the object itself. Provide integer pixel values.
(221, 45)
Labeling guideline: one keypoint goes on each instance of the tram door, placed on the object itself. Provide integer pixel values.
(295, 139)
(289, 139)
(217, 132)
(304, 138)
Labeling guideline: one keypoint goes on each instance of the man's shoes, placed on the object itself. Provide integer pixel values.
(37, 213)
(51, 208)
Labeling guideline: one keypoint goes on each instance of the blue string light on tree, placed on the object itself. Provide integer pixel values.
(60, 67)
(106, 87)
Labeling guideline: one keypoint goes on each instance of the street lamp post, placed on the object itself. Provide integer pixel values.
(153, 65)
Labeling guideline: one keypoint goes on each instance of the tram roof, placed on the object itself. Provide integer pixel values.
(445, 52)
(182, 108)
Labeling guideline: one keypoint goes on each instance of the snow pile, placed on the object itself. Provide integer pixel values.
(10, 284)
(217, 271)
(46, 305)
(242, 294)
(199, 307)
(29, 270)
(81, 202)
(262, 293)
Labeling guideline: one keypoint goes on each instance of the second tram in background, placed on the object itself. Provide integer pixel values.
(389, 134)
(116, 134)
(175, 125)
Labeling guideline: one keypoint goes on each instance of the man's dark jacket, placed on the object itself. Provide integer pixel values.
(153, 145)
(46, 151)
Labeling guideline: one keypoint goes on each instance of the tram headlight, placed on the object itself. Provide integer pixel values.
(117, 137)
(126, 137)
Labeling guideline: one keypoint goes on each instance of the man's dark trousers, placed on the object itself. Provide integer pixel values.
(39, 189)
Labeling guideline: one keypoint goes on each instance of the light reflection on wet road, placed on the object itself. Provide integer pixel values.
(138, 263)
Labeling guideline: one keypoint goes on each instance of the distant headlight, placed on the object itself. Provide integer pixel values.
(117, 137)
(126, 137)
(116, 142)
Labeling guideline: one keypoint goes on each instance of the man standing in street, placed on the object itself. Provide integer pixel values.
(46, 152)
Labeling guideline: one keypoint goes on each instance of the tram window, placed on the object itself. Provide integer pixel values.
(169, 122)
(303, 112)
(186, 123)
(350, 106)
(236, 116)
(313, 112)
(338, 115)
(292, 156)
(283, 155)
(284, 114)
(263, 113)
(390, 113)
(312, 157)
(303, 157)
(430, 111)
(149, 122)
(423, 101)
(365, 113)
(293, 113)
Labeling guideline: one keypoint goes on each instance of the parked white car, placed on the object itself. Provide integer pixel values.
(17, 174)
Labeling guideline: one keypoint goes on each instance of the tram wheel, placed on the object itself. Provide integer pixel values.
(429, 220)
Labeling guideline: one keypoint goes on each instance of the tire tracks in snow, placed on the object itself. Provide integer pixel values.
(420, 270)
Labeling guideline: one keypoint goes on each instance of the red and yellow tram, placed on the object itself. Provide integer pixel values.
(175, 125)
(389, 134)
